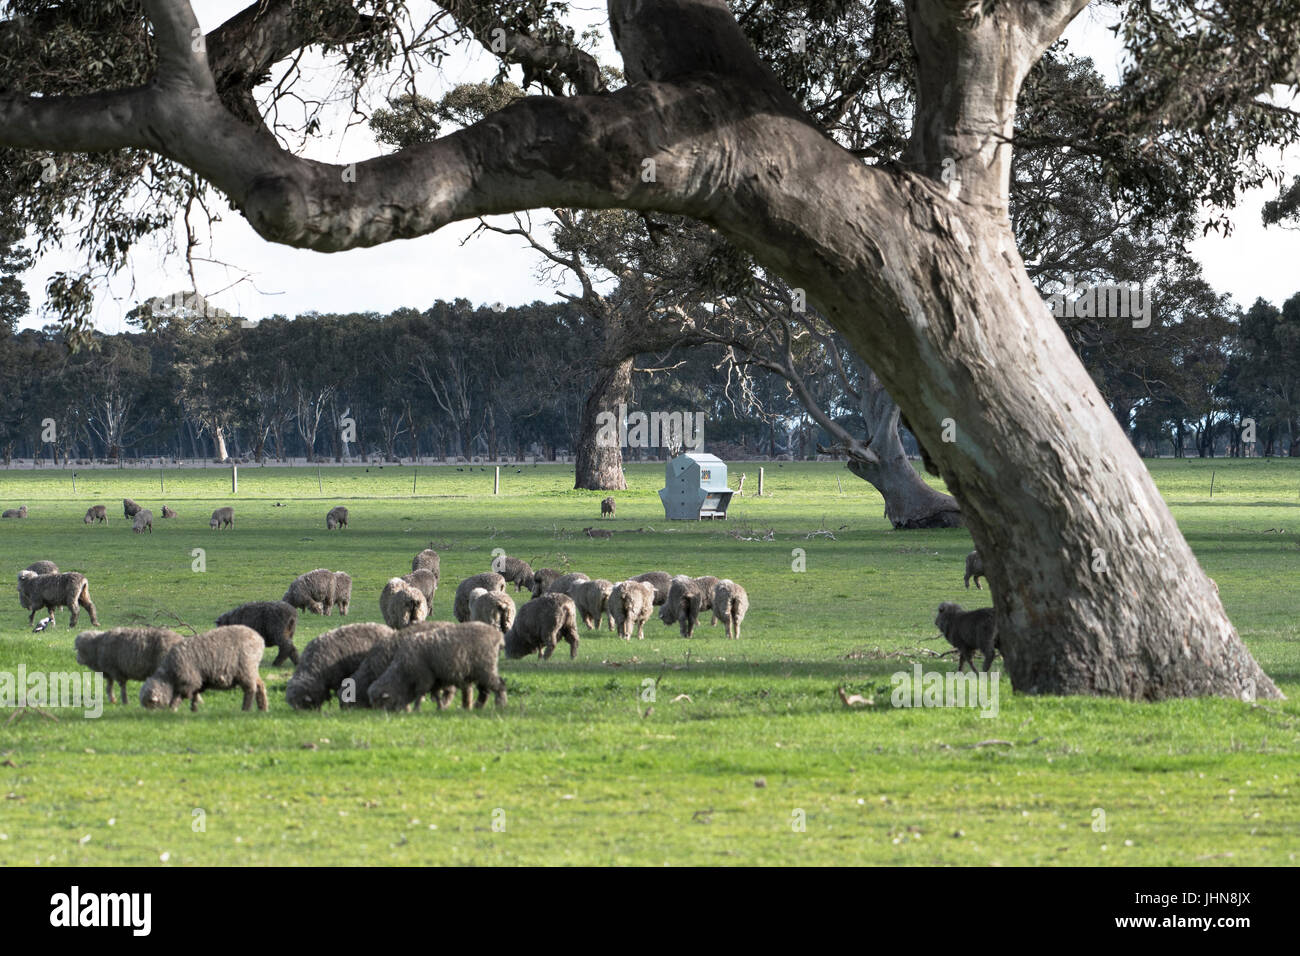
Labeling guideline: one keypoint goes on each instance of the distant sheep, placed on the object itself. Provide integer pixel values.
(427, 560)
(143, 521)
(328, 660)
(661, 581)
(43, 567)
(515, 570)
(129, 508)
(424, 581)
(401, 604)
(222, 518)
(461, 655)
(492, 607)
(337, 518)
(630, 605)
(685, 601)
(168, 512)
(276, 621)
(95, 513)
(730, 604)
(124, 653)
(39, 592)
(14, 512)
(974, 569)
(317, 591)
(219, 659)
(607, 507)
(488, 581)
(592, 601)
(969, 631)
(541, 624)
(543, 579)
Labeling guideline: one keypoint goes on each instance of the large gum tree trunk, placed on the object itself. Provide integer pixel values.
(599, 466)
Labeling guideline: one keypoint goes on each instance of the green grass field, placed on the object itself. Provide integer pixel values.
(742, 741)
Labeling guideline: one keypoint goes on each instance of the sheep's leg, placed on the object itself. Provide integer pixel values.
(499, 691)
(110, 691)
(482, 697)
(466, 692)
(248, 698)
(195, 699)
(74, 608)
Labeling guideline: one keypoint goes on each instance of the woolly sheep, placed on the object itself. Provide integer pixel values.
(354, 691)
(38, 592)
(707, 584)
(630, 606)
(143, 521)
(168, 512)
(607, 507)
(685, 601)
(95, 513)
(974, 569)
(328, 660)
(565, 582)
(461, 655)
(427, 560)
(488, 581)
(342, 591)
(276, 621)
(540, 626)
(661, 581)
(542, 581)
(43, 567)
(219, 659)
(124, 653)
(968, 631)
(592, 601)
(15, 512)
(401, 604)
(492, 607)
(316, 591)
(424, 581)
(730, 604)
(222, 518)
(129, 508)
(337, 518)
(515, 570)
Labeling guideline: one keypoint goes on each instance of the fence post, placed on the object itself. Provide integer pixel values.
(760, 482)
(234, 479)
(496, 482)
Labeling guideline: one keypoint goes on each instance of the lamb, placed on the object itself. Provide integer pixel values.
(630, 606)
(607, 507)
(540, 626)
(143, 521)
(222, 518)
(168, 512)
(14, 512)
(274, 620)
(460, 655)
(330, 659)
(661, 581)
(337, 518)
(38, 592)
(488, 581)
(592, 601)
(730, 603)
(974, 569)
(427, 560)
(355, 689)
(515, 570)
(492, 607)
(317, 591)
(129, 508)
(95, 513)
(424, 581)
(969, 631)
(542, 581)
(125, 653)
(685, 601)
(219, 659)
(401, 604)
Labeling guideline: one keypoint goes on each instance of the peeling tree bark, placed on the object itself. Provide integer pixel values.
(597, 466)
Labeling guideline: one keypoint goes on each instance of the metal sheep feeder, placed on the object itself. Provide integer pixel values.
(695, 488)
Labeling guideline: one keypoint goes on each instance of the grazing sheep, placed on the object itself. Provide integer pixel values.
(630, 605)
(969, 631)
(124, 653)
(15, 512)
(540, 626)
(342, 591)
(337, 518)
(661, 581)
(974, 569)
(95, 513)
(592, 601)
(542, 581)
(43, 567)
(129, 508)
(565, 582)
(730, 603)
(424, 581)
(168, 512)
(607, 507)
(219, 659)
(355, 689)
(488, 581)
(40, 592)
(685, 601)
(274, 620)
(143, 521)
(707, 584)
(460, 655)
(492, 607)
(515, 570)
(427, 560)
(401, 604)
(328, 660)
(222, 518)
(317, 592)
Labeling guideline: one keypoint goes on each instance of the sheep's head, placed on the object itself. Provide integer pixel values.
(304, 695)
(85, 645)
(155, 694)
(947, 611)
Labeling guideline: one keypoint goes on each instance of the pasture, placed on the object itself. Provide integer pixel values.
(739, 752)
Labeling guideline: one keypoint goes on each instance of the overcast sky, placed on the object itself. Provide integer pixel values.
(258, 278)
